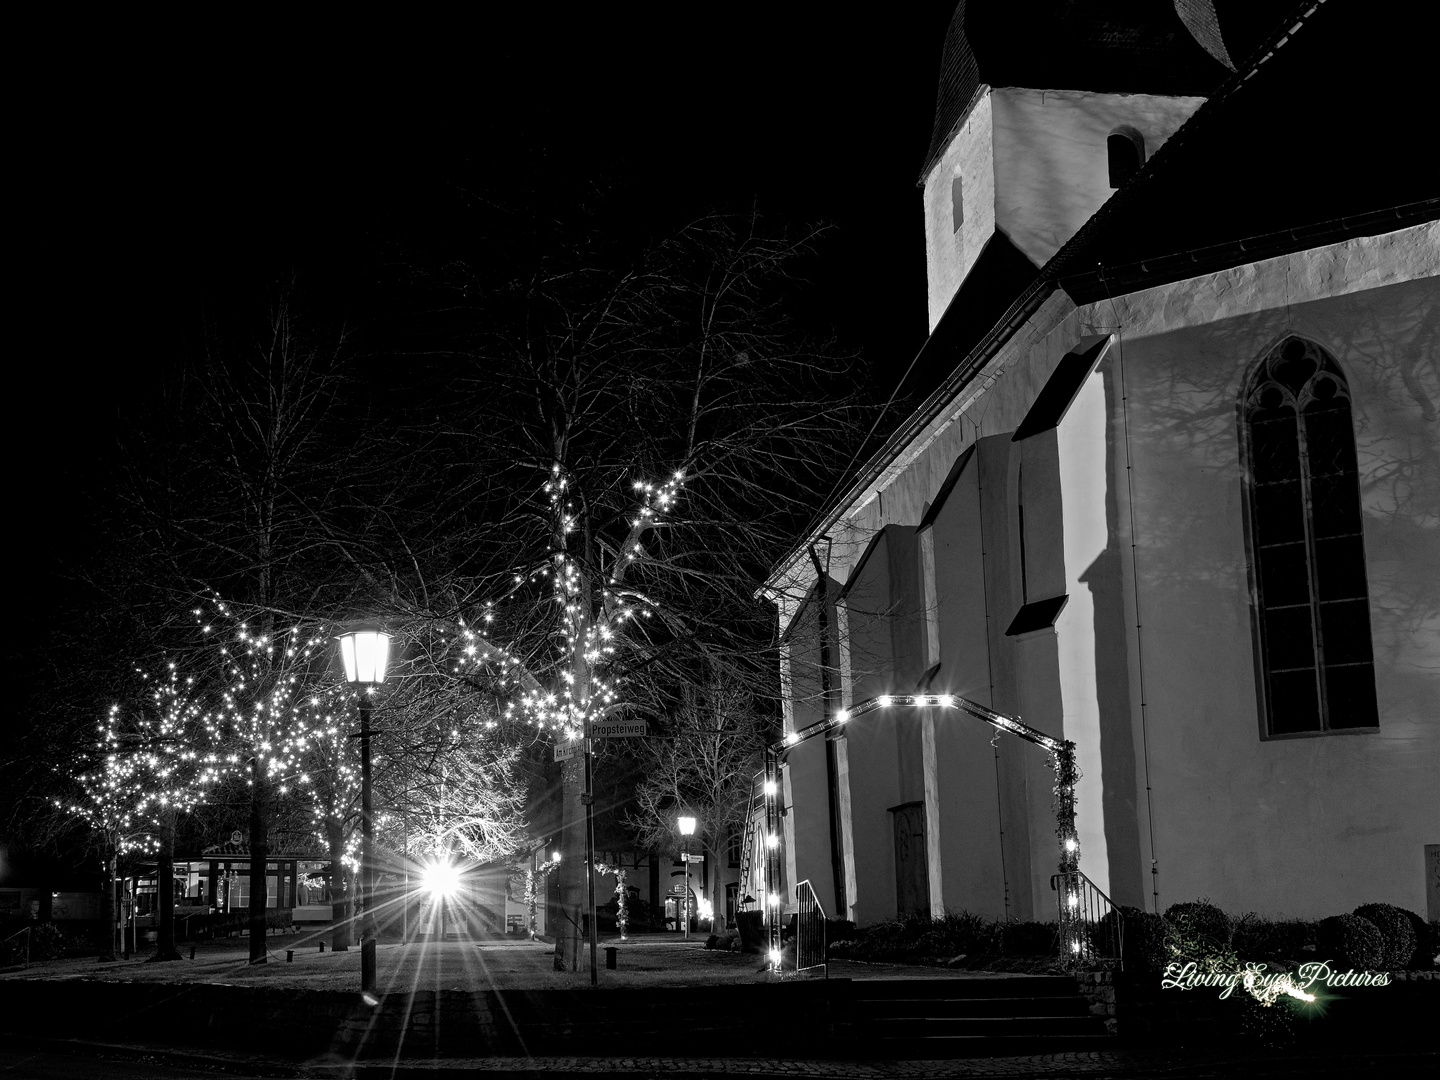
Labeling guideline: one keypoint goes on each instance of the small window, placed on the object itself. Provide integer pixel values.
(732, 849)
(1126, 149)
(957, 205)
(1306, 545)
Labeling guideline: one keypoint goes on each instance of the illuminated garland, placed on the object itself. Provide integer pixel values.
(533, 877)
(591, 636)
(622, 918)
(146, 768)
(1062, 756)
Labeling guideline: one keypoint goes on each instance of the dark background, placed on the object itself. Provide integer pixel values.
(169, 169)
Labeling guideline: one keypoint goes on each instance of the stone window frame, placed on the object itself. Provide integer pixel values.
(1304, 542)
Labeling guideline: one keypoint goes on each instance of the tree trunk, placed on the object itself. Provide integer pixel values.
(341, 933)
(110, 951)
(570, 876)
(259, 854)
(165, 883)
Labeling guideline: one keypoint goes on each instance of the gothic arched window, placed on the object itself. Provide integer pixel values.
(1308, 555)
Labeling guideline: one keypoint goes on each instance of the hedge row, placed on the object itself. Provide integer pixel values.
(1374, 937)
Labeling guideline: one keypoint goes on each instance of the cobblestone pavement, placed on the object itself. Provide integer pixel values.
(1128, 1064)
(1132, 1064)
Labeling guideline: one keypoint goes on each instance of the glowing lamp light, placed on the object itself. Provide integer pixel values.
(842, 716)
(1070, 844)
(554, 856)
(884, 701)
(440, 879)
(946, 701)
(687, 826)
(792, 738)
(1074, 900)
(775, 956)
(772, 841)
(365, 654)
(770, 788)
(1074, 946)
(774, 899)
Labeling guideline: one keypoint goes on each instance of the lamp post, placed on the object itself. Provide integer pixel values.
(687, 829)
(365, 654)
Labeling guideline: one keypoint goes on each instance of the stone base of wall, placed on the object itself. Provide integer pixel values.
(1098, 987)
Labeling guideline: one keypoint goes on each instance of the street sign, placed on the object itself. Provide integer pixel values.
(600, 729)
(564, 751)
(617, 729)
(692, 858)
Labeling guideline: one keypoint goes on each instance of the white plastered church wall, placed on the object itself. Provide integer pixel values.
(1051, 162)
(950, 252)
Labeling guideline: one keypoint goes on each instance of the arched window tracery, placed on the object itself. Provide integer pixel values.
(1306, 544)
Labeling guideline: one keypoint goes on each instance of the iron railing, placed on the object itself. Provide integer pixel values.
(809, 932)
(1091, 927)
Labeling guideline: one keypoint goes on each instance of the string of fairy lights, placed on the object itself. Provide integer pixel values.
(275, 709)
(1062, 757)
(592, 627)
(277, 713)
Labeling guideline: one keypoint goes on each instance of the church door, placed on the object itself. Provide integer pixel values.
(912, 875)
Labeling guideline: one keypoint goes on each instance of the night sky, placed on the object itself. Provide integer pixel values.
(167, 168)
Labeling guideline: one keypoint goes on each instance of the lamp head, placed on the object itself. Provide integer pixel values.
(365, 652)
(440, 878)
(687, 826)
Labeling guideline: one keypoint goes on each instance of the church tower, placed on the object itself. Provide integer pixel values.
(1045, 109)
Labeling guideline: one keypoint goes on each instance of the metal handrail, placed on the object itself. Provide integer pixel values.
(1091, 927)
(26, 931)
(809, 931)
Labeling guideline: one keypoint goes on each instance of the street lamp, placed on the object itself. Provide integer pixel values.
(687, 829)
(365, 652)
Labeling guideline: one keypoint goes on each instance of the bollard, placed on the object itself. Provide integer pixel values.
(322, 946)
(610, 953)
(192, 952)
(289, 956)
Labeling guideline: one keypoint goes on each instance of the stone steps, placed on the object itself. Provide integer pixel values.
(973, 1017)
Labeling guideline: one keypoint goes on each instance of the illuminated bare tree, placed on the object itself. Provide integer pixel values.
(646, 434)
(704, 766)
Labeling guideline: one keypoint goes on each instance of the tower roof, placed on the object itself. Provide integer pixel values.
(1109, 46)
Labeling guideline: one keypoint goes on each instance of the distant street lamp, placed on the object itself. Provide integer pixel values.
(687, 829)
(366, 653)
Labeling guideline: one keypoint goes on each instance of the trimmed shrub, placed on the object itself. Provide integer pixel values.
(968, 933)
(1396, 931)
(1259, 938)
(1427, 939)
(1199, 918)
(1143, 943)
(1199, 931)
(956, 932)
(1350, 941)
(1029, 939)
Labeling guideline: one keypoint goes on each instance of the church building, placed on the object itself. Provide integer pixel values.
(1173, 493)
